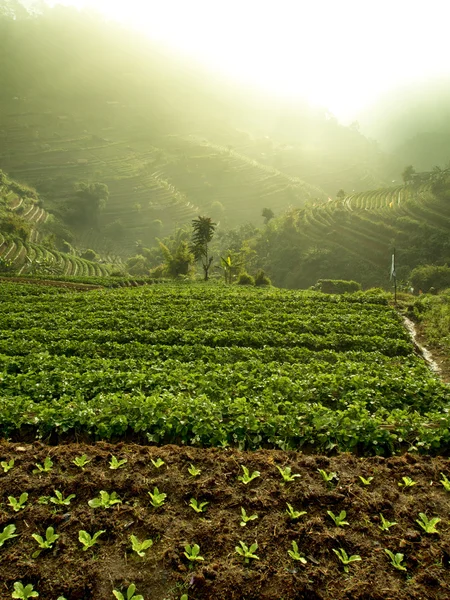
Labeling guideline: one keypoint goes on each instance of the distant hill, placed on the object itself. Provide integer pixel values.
(85, 101)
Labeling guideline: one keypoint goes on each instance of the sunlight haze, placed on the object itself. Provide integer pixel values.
(339, 55)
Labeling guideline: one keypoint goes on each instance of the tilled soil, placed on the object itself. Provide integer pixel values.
(165, 573)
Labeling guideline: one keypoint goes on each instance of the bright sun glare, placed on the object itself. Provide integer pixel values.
(341, 55)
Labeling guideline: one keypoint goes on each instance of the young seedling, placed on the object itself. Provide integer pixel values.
(192, 553)
(196, 506)
(7, 534)
(130, 594)
(7, 466)
(428, 525)
(158, 463)
(445, 482)
(339, 520)
(294, 514)
(87, 541)
(81, 461)
(246, 477)
(365, 481)
(246, 518)
(287, 474)
(116, 463)
(246, 552)
(20, 503)
(327, 477)
(105, 500)
(44, 544)
(59, 498)
(157, 498)
(385, 524)
(24, 592)
(45, 467)
(294, 554)
(396, 560)
(140, 547)
(345, 558)
(193, 471)
(406, 482)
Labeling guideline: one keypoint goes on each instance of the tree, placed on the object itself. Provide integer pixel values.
(341, 194)
(408, 174)
(267, 214)
(203, 233)
(178, 262)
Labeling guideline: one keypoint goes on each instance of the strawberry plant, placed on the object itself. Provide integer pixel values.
(385, 524)
(86, 540)
(246, 552)
(198, 507)
(407, 482)
(140, 547)
(327, 477)
(295, 555)
(339, 520)
(59, 498)
(445, 482)
(345, 558)
(47, 543)
(20, 503)
(365, 481)
(81, 461)
(158, 463)
(246, 478)
(193, 471)
(7, 466)
(246, 518)
(7, 534)
(428, 525)
(23, 592)
(286, 474)
(130, 594)
(396, 560)
(192, 553)
(157, 498)
(105, 500)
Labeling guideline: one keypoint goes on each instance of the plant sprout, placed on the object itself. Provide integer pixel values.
(428, 525)
(247, 477)
(130, 594)
(196, 506)
(81, 461)
(192, 553)
(396, 560)
(140, 547)
(385, 524)
(295, 555)
(327, 477)
(45, 544)
(115, 463)
(59, 498)
(345, 558)
(20, 503)
(286, 474)
(246, 518)
(86, 540)
(7, 466)
(23, 592)
(7, 534)
(407, 482)
(193, 471)
(246, 552)
(105, 500)
(445, 482)
(158, 463)
(157, 498)
(45, 467)
(294, 514)
(365, 481)
(339, 520)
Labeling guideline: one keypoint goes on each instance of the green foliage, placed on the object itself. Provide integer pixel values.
(192, 553)
(198, 507)
(87, 541)
(396, 560)
(7, 534)
(130, 595)
(59, 498)
(45, 543)
(7, 465)
(157, 498)
(245, 279)
(385, 524)
(158, 463)
(261, 278)
(81, 461)
(105, 500)
(20, 503)
(339, 520)
(406, 482)
(116, 463)
(445, 482)
(193, 471)
(246, 552)
(337, 286)
(24, 592)
(203, 231)
(327, 477)
(294, 514)
(46, 467)
(428, 525)
(365, 481)
(295, 555)
(247, 477)
(428, 276)
(246, 518)
(345, 558)
(140, 547)
(286, 473)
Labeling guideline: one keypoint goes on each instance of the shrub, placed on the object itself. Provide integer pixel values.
(90, 255)
(426, 277)
(261, 278)
(246, 279)
(337, 286)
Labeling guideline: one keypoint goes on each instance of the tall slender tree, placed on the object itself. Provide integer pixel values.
(202, 235)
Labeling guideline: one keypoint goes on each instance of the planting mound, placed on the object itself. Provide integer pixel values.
(380, 515)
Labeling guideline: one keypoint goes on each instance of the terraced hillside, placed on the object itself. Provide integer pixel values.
(354, 237)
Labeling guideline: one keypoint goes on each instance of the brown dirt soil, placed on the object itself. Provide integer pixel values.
(164, 572)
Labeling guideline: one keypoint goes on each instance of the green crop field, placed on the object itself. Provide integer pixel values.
(216, 366)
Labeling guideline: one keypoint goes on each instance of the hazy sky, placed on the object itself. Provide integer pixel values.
(339, 53)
